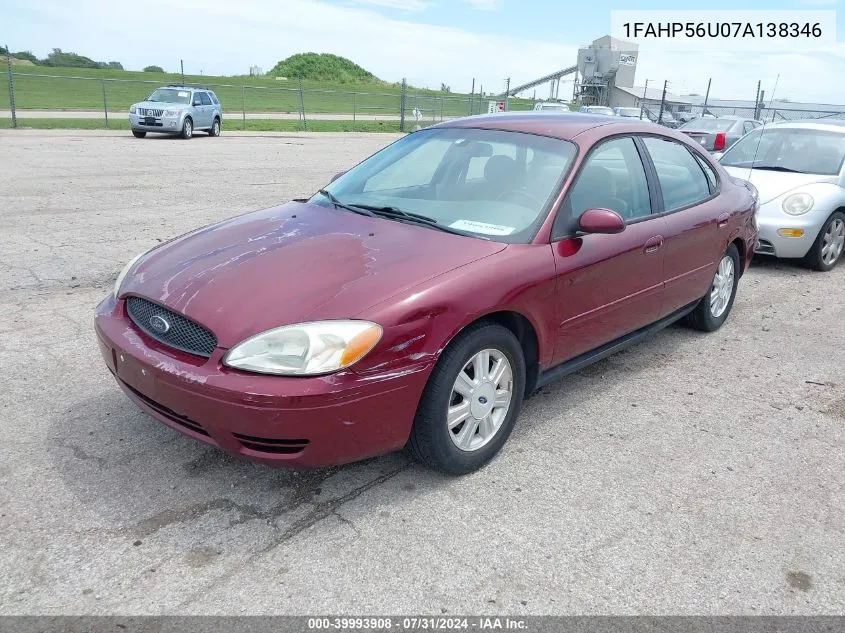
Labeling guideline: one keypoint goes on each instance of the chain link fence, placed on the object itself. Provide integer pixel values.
(106, 100)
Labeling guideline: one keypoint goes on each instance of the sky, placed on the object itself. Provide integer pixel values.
(429, 42)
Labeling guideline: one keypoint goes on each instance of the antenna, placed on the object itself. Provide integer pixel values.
(762, 127)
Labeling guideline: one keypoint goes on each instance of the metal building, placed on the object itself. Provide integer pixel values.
(603, 65)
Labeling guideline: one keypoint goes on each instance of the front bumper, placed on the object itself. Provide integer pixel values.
(279, 421)
(161, 124)
(770, 219)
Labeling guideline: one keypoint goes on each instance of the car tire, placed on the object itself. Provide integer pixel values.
(453, 389)
(831, 236)
(214, 130)
(187, 128)
(138, 133)
(713, 309)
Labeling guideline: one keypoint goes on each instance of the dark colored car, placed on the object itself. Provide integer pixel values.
(424, 293)
(718, 134)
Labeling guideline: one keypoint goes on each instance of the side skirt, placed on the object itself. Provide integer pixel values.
(608, 349)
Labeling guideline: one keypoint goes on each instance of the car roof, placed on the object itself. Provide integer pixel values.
(832, 125)
(565, 125)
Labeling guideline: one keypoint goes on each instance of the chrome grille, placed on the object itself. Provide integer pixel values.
(150, 112)
(170, 328)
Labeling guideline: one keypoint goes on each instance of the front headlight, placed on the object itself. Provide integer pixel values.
(305, 349)
(131, 109)
(798, 203)
(119, 281)
(173, 113)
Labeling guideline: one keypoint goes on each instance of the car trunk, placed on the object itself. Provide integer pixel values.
(706, 139)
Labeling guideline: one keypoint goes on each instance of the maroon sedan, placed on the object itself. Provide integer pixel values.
(423, 294)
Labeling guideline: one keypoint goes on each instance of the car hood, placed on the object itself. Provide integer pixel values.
(770, 184)
(294, 263)
(162, 105)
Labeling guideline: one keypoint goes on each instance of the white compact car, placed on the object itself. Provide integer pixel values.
(797, 168)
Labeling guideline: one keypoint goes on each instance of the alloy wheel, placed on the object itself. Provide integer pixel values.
(722, 289)
(833, 241)
(480, 399)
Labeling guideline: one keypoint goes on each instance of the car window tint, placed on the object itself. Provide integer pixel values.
(708, 172)
(414, 169)
(613, 178)
(204, 98)
(214, 97)
(681, 179)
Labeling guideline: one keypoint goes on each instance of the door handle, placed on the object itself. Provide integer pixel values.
(654, 244)
(723, 220)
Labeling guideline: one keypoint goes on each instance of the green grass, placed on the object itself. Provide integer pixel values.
(253, 125)
(237, 94)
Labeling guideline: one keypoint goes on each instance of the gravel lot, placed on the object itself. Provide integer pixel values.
(691, 474)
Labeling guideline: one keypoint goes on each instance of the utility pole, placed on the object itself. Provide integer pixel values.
(662, 102)
(182, 66)
(472, 97)
(642, 103)
(507, 93)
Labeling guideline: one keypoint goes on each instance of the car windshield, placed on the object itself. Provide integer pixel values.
(171, 95)
(708, 125)
(553, 106)
(599, 110)
(804, 151)
(492, 184)
(629, 112)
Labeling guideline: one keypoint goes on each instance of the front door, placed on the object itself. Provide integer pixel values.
(689, 200)
(607, 285)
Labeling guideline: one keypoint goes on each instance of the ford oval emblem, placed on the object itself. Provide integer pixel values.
(159, 324)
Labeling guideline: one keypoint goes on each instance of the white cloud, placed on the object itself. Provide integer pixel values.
(227, 38)
(402, 5)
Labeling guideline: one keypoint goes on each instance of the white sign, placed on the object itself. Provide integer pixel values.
(494, 107)
(627, 60)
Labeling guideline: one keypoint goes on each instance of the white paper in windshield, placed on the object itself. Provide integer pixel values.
(482, 227)
(182, 93)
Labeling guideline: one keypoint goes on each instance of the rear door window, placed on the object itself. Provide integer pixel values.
(681, 178)
(204, 98)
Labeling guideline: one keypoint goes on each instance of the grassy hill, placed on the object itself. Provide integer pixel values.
(323, 67)
(83, 88)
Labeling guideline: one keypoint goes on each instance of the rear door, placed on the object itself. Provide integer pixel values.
(688, 200)
(607, 285)
(207, 109)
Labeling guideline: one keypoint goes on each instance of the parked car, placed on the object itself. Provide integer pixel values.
(718, 134)
(628, 113)
(551, 106)
(177, 110)
(602, 110)
(797, 167)
(449, 275)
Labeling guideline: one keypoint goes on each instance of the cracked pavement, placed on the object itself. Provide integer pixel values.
(691, 474)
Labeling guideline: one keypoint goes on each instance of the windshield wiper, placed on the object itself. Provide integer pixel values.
(340, 205)
(776, 168)
(394, 212)
(423, 220)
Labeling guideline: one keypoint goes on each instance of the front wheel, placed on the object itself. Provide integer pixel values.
(471, 401)
(138, 133)
(827, 249)
(713, 309)
(187, 128)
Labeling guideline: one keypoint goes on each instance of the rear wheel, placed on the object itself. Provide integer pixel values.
(471, 402)
(214, 130)
(138, 134)
(188, 128)
(713, 309)
(829, 245)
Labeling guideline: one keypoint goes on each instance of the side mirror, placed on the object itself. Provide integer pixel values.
(601, 221)
(337, 175)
